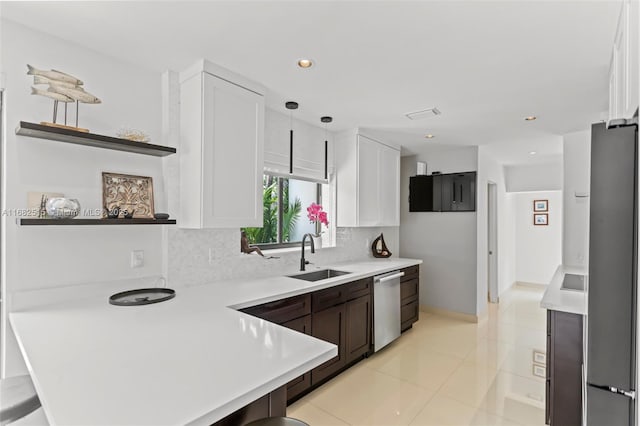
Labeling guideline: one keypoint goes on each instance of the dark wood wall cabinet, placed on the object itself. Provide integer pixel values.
(563, 402)
(452, 192)
(342, 315)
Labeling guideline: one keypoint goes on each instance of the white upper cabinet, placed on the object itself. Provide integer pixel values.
(308, 147)
(368, 182)
(623, 69)
(221, 149)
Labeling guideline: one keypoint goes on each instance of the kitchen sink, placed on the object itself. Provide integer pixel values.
(573, 282)
(322, 274)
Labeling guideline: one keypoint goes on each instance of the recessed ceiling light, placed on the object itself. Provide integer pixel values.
(530, 118)
(532, 152)
(305, 63)
(429, 136)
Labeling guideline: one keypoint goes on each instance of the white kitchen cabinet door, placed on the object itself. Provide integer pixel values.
(221, 164)
(624, 69)
(368, 182)
(389, 186)
(369, 199)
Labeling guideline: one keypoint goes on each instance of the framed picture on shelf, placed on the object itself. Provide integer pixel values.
(541, 219)
(540, 205)
(127, 192)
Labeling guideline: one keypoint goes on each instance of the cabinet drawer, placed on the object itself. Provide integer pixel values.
(408, 291)
(358, 288)
(282, 310)
(410, 273)
(408, 315)
(329, 297)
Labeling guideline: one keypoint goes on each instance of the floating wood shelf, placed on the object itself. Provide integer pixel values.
(135, 221)
(89, 139)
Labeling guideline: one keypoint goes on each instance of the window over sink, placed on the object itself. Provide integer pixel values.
(285, 201)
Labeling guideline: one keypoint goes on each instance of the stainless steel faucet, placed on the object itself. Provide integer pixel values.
(313, 250)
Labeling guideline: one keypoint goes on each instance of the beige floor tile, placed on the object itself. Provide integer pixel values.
(525, 315)
(516, 398)
(469, 384)
(422, 367)
(443, 411)
(312, 415)
(489, 354)
(518, 335)
(458, 343)
(387, 353)
(483, 418)
(366, 396)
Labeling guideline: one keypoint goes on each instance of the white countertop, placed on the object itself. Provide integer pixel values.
(570, 301)
(189, 360)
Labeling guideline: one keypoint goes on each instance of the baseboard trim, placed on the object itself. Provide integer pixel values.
(451, 314)
(529, 285)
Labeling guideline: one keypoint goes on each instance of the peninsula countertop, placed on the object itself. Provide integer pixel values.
(191, 360)
(570, 301)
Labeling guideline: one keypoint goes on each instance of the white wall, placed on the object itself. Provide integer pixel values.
(535, 177)
(42, 257)
(446, 242)
(577, 167)
(490, 171)
(538, 248)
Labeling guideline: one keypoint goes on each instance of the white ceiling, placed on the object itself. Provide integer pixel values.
(485, 65)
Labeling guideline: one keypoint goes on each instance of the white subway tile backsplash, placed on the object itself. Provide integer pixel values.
(205, 256)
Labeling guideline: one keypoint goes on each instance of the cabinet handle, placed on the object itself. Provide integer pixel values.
(291, 151)
(461, 194)
(453, 184)
(326, 159)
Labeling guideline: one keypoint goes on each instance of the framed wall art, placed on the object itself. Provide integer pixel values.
(128, 193)
(540, 219)
(540, 205)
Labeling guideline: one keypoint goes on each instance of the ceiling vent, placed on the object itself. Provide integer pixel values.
(425, 113)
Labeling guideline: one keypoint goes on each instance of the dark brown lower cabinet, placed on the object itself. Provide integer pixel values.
(342, 315)
(409, 297)
(302, 383)
(358, 323)
(273, 404)
(329, 325)
(564, 369)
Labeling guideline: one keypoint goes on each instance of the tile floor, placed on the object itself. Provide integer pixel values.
(444, 372)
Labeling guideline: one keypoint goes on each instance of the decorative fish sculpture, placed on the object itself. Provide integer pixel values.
(55, 75)
(53, 95)
(38, 79)
(75, 93)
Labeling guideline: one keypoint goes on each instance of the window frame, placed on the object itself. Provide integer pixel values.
(279, 244)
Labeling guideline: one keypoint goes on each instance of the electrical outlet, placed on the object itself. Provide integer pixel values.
(137, 258)
(539, 357)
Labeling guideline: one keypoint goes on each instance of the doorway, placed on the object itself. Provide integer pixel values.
(492, 242)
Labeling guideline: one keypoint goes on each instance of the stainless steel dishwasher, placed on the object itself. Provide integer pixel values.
(386, 309)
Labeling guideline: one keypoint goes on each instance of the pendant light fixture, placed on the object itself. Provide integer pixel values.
(291, 105)
(326, 120)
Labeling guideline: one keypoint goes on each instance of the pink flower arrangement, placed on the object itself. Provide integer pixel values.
(315, 214)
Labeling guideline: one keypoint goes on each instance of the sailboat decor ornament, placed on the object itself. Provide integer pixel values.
(62, 88)
(379, 248)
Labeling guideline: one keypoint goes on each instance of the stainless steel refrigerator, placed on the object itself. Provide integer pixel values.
(613, 247)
